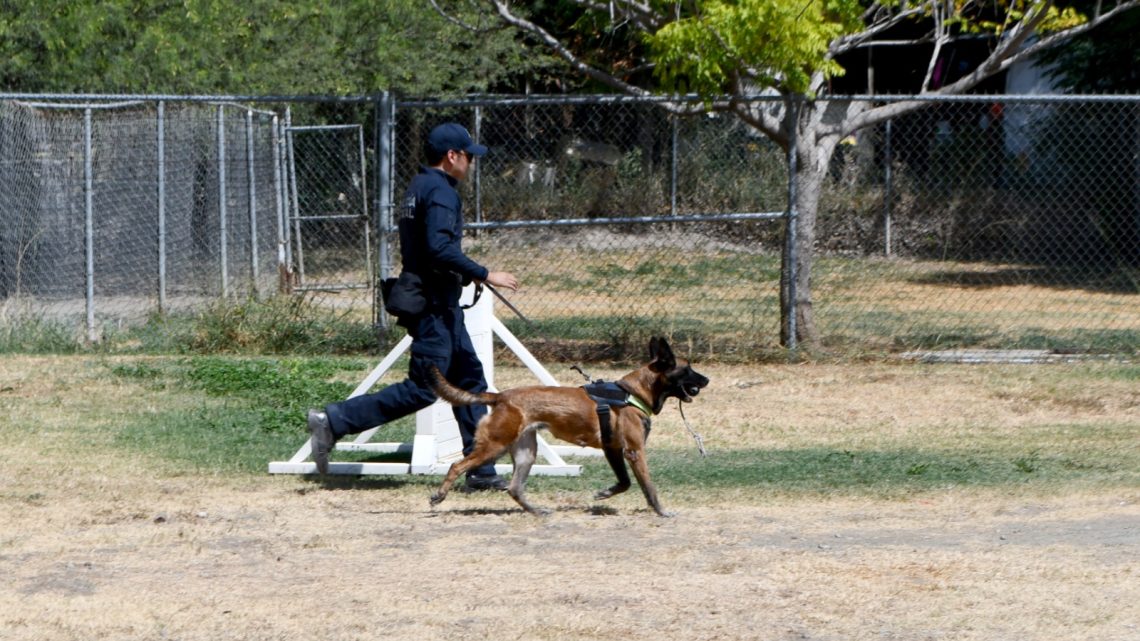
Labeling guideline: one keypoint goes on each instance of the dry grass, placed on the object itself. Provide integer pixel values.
(1000, 299)
(96, 544)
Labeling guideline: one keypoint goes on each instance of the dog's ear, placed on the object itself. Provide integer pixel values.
(661, 357)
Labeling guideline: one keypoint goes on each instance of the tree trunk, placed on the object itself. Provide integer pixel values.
(813, 153)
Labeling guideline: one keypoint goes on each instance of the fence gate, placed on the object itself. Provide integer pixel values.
(329, 246)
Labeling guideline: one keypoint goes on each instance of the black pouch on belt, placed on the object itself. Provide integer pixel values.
(404, 296)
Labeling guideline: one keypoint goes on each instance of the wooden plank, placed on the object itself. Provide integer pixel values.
(366, 469)
(338, 468)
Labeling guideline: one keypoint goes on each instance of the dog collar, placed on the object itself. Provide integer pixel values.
(635, 401)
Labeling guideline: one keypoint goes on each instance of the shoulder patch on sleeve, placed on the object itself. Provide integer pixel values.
(408, 211)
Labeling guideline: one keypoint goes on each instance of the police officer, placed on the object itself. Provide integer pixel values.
(431, 228)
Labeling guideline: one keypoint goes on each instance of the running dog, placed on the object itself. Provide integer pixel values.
(574, 415)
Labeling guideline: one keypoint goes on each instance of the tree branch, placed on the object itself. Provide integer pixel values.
(1009, 50)
(456, 21)
(941, 37)
(563, 52)
(641, 13)
(844, 44)
(1008, 53)
(606, 78)
(1054, 39)
(767, 117)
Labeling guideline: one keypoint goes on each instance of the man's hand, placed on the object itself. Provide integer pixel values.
(506, 280)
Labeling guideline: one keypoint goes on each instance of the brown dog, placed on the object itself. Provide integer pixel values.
(571, 414)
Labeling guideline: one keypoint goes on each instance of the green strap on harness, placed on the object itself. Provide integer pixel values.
(639, 404)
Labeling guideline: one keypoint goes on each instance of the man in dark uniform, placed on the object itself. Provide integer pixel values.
(431, 228)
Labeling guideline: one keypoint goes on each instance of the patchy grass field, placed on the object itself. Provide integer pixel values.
(871, 501)
(599, 284)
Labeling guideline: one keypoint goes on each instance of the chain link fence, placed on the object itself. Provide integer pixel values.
(992, 222)
(113, 210)
(330, 223)
(621, 220)
(998, 222)
(116, 209)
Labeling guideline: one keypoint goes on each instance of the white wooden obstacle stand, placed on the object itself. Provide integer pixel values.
(437, 443)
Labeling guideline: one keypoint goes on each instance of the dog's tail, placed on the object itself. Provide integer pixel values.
(456, 396)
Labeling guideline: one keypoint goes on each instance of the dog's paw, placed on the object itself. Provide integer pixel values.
(610, 491)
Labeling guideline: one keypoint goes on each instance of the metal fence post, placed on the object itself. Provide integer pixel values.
(478, 166)
(673, 168)
(371, 275)
(288, 191)
(295, 212)
(89, 223)
(279, 204)
(222, 223)
(161, 206)
(790, 232)
(385, 161)
(888, 186)
(252, 191)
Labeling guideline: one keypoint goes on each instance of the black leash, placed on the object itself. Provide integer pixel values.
(696, 437)
(577, 367)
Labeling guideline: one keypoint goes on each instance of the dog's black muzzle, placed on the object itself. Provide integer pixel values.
(689, 384)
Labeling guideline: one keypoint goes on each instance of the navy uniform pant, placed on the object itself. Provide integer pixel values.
(439, 338)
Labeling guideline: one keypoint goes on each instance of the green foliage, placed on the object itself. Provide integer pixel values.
(252, 411)
(782, 42)
(291, 383)
(717, 46)
(888, 472)
(279, 325)
(1103, 60)
(253, 406)
(244, 412)
(1010, 13)
(1127, 372)
(252, 47)
(30, 334)
(284, 324)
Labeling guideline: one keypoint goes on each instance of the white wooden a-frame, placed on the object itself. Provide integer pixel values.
(437, 443)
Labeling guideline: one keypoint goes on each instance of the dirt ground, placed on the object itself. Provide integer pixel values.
(96, 546)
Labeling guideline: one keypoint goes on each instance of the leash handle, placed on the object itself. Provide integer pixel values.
(475, 298)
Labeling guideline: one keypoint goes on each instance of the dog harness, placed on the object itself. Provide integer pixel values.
(608, 395)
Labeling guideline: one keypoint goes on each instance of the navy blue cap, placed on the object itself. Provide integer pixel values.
(452, 135)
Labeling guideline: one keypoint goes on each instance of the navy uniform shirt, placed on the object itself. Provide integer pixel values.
(431, 230)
